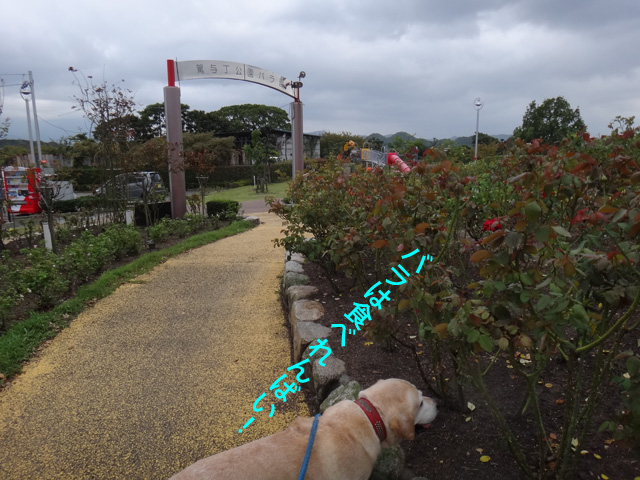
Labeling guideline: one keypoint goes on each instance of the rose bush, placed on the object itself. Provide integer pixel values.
(535, 257)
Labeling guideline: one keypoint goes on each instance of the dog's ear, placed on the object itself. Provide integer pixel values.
(403, 426)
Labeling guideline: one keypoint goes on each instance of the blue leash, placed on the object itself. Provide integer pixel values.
(307, 455)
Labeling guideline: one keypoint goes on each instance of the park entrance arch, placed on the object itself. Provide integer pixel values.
(218, 69)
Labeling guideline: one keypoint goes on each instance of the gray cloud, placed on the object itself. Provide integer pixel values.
(371, 65)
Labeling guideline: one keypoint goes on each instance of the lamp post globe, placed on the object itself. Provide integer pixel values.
(25, 91)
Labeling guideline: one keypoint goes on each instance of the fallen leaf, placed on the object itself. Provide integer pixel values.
(485, 458)
(597, 456)
(584, 452)
(368, 343)
(479, 450)
(609, 441)
(468, 419)
(553, 436)
(471, 406)
(604, 477)
(548, 385)
(559, 401)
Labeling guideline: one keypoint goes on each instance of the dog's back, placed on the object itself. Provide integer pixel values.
(337, 452)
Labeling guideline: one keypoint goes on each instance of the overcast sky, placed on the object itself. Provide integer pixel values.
(372, 65)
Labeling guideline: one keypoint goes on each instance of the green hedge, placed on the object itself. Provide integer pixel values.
(225, 209)
(85, 179)
(76, 205)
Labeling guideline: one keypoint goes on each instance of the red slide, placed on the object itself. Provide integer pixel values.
(394, 159)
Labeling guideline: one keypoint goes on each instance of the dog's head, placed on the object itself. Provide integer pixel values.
(402, 408)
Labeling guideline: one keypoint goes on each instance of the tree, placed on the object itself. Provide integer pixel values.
(332, 144)
(221, 148)
(152, 123)
(200, 121)
(375, 142)
(623, 124)
(250, 117)
(80, 149)
(110, 110)
(552, 121)
(4, 128)
(11, 151)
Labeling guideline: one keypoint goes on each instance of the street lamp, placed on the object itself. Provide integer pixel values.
(25, 93)
(477, 104)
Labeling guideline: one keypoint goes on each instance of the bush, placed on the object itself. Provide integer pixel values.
(44, 275)
(159, 232)
(242, 183)
(223, 209)
(554, 278)
(11, 286)
(198, 222)
(63, 234)
(77, 205)
(192, 223)
(178, 227)
(126, 239)
(90, 255)
(87, 256)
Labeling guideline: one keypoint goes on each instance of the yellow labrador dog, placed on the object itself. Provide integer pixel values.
(348, 439)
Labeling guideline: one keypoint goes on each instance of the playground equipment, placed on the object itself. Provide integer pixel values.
(374, 156)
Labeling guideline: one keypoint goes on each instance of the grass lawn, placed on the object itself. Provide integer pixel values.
(244, 194)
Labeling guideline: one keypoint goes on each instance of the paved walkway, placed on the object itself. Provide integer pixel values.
(159, 374)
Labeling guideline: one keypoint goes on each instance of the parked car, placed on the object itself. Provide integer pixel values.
(135, 185)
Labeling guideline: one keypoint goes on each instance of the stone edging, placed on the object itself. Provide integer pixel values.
(330, 383)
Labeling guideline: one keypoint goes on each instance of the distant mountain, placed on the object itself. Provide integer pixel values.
(10, 142)
(386, 139)
(407, 137)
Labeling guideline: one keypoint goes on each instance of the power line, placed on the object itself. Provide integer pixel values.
(55, 126)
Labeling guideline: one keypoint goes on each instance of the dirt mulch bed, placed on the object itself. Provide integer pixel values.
(452, 447)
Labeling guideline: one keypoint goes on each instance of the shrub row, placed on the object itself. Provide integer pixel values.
(49, 276)
(192, 223)
(535, 254)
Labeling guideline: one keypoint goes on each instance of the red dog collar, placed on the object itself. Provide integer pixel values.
(374, 417)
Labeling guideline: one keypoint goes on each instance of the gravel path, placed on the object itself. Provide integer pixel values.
(159, 374)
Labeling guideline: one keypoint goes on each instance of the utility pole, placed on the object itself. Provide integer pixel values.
(35, 119)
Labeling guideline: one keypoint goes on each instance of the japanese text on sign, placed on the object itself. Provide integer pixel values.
(357, 316)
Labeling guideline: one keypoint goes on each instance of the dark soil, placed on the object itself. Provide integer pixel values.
(452, 447)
